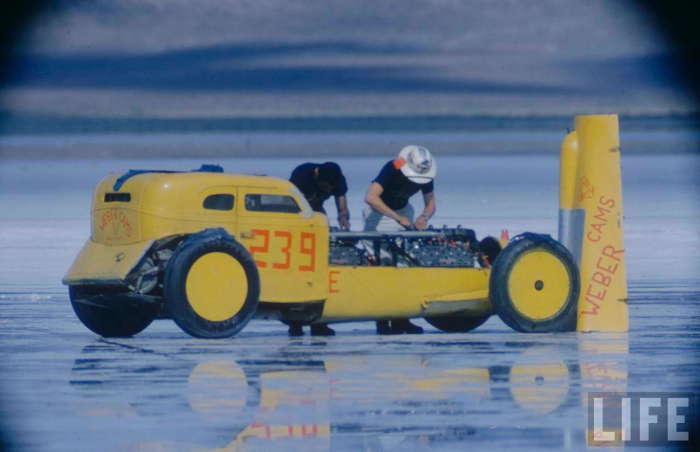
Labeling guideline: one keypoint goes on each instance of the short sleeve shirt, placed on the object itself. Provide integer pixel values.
(397, 187)
(304, 177)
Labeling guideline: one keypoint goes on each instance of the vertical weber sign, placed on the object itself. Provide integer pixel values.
(591, 222)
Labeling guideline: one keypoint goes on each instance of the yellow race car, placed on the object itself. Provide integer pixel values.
(213, 250)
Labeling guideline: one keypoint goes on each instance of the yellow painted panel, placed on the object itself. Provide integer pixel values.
(105, 264)
(171, 203)
(603, 301)
(390, 292)
(115, 225)
(290, 251)
(294, 265)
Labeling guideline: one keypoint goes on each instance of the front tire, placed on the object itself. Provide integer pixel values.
(535, 284)
(212, 286)
(457, 324)
(116, 318)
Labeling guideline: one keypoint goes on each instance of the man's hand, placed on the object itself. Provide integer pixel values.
(343, 213)
(422, 223)
(405, 222)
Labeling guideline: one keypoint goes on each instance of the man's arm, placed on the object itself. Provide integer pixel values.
(341, 204)
(429, 211)
(373, 199)
(297, 178)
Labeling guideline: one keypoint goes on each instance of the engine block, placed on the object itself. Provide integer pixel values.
(432, 248)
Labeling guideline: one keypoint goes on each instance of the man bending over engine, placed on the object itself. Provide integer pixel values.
(388, 208)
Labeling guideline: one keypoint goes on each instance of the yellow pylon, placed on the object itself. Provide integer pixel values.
(591, 223)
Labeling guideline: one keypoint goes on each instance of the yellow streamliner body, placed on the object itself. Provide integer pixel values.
(369, 293)
(142, 219)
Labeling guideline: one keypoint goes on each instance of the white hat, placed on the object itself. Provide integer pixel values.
(417, 164)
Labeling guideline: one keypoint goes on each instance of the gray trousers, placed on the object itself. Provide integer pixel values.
(375, 221)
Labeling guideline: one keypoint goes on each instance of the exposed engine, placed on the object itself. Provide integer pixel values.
(431, 248)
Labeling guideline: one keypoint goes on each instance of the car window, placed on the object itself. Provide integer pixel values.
(223, 201)
(117, 197)
(271, 203)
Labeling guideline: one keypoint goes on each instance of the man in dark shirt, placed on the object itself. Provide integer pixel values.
(388, 208)
(318, 182)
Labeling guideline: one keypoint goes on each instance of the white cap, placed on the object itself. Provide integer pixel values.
(417, 164)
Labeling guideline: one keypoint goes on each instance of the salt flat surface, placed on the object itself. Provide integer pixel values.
(63, 388)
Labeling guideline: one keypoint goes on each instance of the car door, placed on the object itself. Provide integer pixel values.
(285, 243)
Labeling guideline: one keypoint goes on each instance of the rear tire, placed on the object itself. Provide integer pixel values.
(534, 285)
(457, 324)
(212, 286)
(120, 320)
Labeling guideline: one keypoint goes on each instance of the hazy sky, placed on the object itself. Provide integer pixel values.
(215, 58)
(593, 28)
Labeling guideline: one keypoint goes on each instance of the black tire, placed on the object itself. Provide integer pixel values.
(457, 324)
(120, 319)
(564, 319)
(176, 298)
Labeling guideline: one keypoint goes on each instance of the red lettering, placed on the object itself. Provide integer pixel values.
(610, 202)
(107, 217)
(285, 250)
(611, 249)
(601, 214)
(594, 311)
(124, 220)
(611, 269)
(590, 237)
(332, 281)
(601, 278)
(598, 227)
(599, 295)
(260, 249)
(311, 251)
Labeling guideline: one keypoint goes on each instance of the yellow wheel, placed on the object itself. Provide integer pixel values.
(534, 285)
(216, 286)
(539, 284)
(211, 285)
